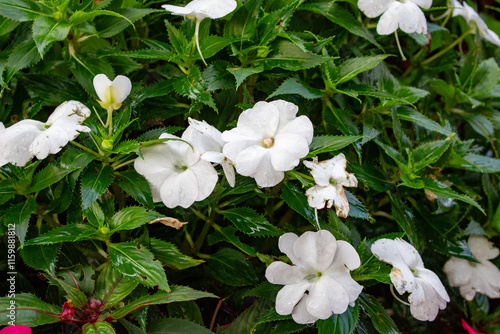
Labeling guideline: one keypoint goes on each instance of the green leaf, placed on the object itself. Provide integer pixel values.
(481, 125)
(112, 286)
(243, 23)
(66, 233)
(217, 77)
(178, 326)
(296, 86)
(405, 219)
(30, 311)
(411, 115)
(177, 38)
(288, 56)
(94, 182)
(344, 323)
(7, 25)
(46, 31)
(41, 257)
(99, 327)
(109, 27)
(21, 10)
(47, 177)
(170, 255)
(357, 209)
(476, 163)
(297, 200)
(272, 24)
(265, 290)
(79, 16)
(212, 44)
(73, 294)
(324, 144)
(377, 314)
(485, 78)
(135, 185)
(137, 262)
(250, 222)
(25, 54)
(131, 328)
(341, 16)
(241, 73)
(230, 267)
(131, 218)
(53, 89)
(245, 322)
(354, 66)
(428, 153)
(228, 234)
(85, 66)
(19, 216)
(177, 294)
(372, 176)
(443, 191)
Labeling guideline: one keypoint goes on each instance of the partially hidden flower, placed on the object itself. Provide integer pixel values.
(176, 173)
(404, 14)
(319, 283)
(473, 19)
(112, 93)
(200, 9)
(427, 293)
(208, 141)
(472, 277)
(331, 178)
(268, 140)
(25, 139)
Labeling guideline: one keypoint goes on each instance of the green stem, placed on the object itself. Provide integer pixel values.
(196, 36)
(88, 150)
(123, 164)
(399, 46)
(448, 48)
(109, 121)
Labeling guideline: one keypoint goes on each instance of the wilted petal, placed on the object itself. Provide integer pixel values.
(228, 168)
(289, 296)
(409, 254)
(458, 271)
(321, 171)
(284, 274)
(315, 249)
(481, 248)
(427, 307)
(433, 280)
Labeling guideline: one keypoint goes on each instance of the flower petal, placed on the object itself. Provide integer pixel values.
(229, 172)
(261, 121)
(286, 243)
(16, 140)
(433, 280)
(300, 314)
(481, 248)
(287, 151)
(156, 167)
(412, 19)
(428, 303)
(346, 258)
(300, 126)
(284, 274)
(289, 296)
(389, 21)
(373, 8)
(101, 84)
(426, 4)
(265, 175)
(250, 160)
(180, 189)
(206, 177)
(121, 88)
(315, 250)
(325, 297)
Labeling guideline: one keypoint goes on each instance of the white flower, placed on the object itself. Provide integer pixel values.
(427, 293)
(20, 142)
(267, 141)
(472, 277)
(200, 9)
(176, 173)
(331, 178)
(322, 266)
(112, 93)
(471, 16)
(207, 140)
(404, 14)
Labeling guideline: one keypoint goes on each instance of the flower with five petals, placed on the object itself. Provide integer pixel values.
(322, 266)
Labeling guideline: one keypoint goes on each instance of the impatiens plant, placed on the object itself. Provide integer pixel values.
(249, 166)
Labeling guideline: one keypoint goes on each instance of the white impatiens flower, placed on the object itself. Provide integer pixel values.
(112, 93)
(473, 18)
(331, 178)
(208, 141)
(176, 173)
(472, 277)
(427, 293)
(268, 140)
(404, 14)
(22, 141)
(322, 267)
(200, 9)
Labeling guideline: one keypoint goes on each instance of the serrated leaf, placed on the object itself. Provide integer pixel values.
(66, 233)
(177, 38)
(243, 22)
(296, 86)
(86, 66)
(265, 290)
(131, 218)
(112, 286)
(217, 77)
(41, 257)
(428, 153)
(164, 326)
(297, 200)
(481, 125)
(25, 54)
(53, 89)
(288, 56)
(377, 314)
(177, 294)
(30, 311)
(411, 115)
(94, 182)
(475, 163)
(228, 234)
(131, 328)
(354, 66)
(357, 209)
(170, 255)
(230, 267)
(443, 191)
(75, 295)
(99, 327)
(344, 323)
(212, 44)
(80, 16)
(138, 263)
(135, 185)
(250, 222)
(241, 73)
(20, 10)
(245, 321)
(47, 177)
(145, 54)
(485, 78)
(47, 30)
(272, 24)
(372, 176)
(324, 144)
(405, 219)
(19, 216)
(109, 27)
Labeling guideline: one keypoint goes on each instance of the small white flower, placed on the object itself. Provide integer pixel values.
(322, 267)
(404, 14)
(200, 9)
(112, 93)
(208, 141)
(176, 173)
(427, 293)
(473, 18)
(20, 142)
(331, 178)
(268, 140)
(472, 277)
